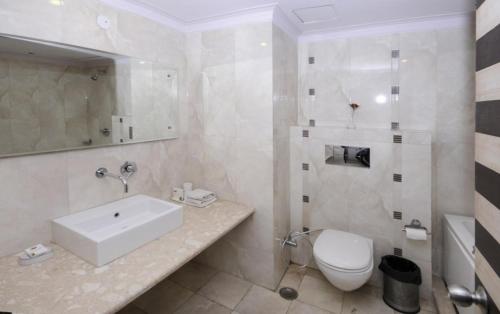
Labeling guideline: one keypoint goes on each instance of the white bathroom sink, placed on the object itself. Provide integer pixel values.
(104, 233)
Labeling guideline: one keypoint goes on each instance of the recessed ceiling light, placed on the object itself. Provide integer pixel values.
(381, 99)
(263, 44)
(315, 14)
(56, 2)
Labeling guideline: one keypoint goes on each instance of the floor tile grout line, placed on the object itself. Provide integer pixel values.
(181, 305)
(289, 306)
(243, 297)
(213, 301)
(208, 280)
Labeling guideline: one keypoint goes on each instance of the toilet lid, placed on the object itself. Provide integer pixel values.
(343, 250)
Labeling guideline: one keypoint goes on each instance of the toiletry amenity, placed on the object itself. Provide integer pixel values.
(35, 254)
(187, 187)
(177, 195)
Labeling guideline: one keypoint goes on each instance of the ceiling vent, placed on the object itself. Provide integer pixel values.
(315, 14)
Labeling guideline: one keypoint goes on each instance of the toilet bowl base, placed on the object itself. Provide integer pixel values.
(346, 281)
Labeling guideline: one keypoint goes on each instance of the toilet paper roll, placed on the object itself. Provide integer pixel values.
(416, 234)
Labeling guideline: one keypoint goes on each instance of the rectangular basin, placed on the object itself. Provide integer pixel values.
(104, 233)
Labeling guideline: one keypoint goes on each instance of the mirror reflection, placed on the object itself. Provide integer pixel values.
(55, 97)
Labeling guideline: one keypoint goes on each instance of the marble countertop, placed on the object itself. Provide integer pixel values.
(67, 284)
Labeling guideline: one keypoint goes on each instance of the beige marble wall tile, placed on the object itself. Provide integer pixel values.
(437, 95)
(418, 80)
(235, 128)
(59, 183)
(453, 156)
(284, 82)
(359, 200)
(84, 189)
(35, 190)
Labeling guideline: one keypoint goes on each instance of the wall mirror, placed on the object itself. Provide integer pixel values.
(55, 97)
(347, 156)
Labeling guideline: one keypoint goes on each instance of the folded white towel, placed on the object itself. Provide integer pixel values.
(198, 203)
(200, 195)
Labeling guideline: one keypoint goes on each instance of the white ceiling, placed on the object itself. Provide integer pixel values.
(355, 13)
(193, 11)
(347, 13)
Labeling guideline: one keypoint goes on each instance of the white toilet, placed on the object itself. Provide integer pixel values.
(346, 259)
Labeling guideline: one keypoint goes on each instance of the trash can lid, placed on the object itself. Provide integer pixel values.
(401, 269)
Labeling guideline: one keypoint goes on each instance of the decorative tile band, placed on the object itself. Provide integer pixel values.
(397, 215)
(398, 251)
(397, 139)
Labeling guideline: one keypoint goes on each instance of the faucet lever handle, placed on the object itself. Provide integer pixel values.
(101, 172)
(128, 168)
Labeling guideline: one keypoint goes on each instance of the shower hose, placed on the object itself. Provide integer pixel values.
(291, 240)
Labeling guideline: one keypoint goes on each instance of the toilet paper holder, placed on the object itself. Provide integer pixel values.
(416, 224)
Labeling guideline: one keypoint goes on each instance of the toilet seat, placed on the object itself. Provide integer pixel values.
(343, 251)
(353, 271)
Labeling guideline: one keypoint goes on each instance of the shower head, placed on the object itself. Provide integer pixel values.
(95, 76)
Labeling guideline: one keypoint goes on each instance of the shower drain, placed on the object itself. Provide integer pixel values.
(288, 293)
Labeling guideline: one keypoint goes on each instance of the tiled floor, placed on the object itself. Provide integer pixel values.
(199, 289)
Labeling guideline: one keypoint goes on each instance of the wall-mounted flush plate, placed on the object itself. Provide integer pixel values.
(347, 156)
(103, 22)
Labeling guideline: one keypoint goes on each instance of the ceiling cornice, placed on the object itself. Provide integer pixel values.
(145, 11)
(248, 15)
(283, 22)
(275, 14)
(398, 26)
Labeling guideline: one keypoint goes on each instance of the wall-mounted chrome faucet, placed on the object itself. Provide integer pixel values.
(126, 170)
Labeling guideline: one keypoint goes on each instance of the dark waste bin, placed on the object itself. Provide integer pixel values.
(402, 279)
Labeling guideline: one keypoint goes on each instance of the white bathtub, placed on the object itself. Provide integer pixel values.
(458, 253)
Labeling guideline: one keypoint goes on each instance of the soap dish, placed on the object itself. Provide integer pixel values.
(24, 259)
